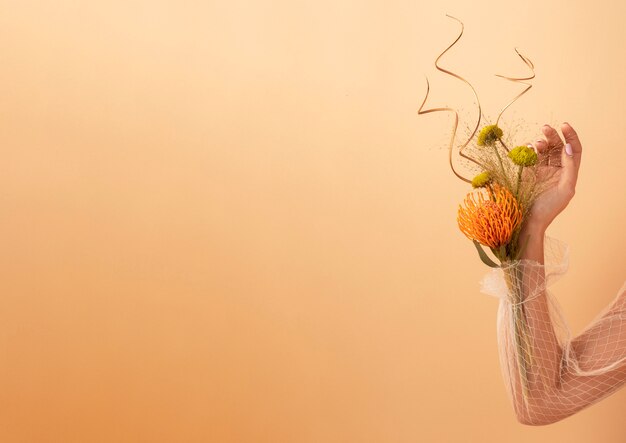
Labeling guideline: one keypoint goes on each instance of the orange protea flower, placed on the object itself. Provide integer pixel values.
(490, 218)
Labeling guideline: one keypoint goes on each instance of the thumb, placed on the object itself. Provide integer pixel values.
(570, 158)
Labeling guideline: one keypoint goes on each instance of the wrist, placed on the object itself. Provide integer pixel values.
(533, 227)
(531, 236)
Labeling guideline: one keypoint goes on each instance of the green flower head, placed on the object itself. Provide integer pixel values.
(481, 180)
(523, 156)
(488, 135)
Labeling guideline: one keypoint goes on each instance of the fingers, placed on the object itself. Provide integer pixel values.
(555, 145)
(554, 140)
(571, 137)
(541, 147)
(570, 159)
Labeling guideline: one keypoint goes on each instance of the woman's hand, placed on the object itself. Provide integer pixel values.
(560, 163)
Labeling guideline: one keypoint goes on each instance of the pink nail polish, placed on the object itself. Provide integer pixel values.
(568, 150)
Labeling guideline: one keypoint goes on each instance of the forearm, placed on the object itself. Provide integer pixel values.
(536, 309)
(562, 378)
(543, 369)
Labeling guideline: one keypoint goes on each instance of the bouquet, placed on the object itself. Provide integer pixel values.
(507, 180)
(536, 348)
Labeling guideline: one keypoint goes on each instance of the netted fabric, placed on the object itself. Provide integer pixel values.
(549, 374)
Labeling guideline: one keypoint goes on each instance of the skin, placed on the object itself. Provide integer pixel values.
(553, 201)
(561, 390)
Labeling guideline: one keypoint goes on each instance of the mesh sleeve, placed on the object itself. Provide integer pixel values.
(549, 374)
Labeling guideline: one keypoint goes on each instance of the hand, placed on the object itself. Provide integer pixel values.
(559, 165)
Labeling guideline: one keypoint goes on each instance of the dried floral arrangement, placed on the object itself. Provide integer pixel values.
(549, 374)
(508, 178)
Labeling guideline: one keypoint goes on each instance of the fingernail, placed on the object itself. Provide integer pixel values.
(565, 123)
(538, 141)
(568, 150)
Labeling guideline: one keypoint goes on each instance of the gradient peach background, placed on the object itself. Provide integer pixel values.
(225, 222)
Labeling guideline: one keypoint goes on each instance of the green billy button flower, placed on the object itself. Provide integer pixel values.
(488, 135)
(523, 156)
(481, 180)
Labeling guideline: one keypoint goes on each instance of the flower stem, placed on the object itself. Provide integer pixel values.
(503, 145)
(524, 358)
(506, 178)
(519, 181)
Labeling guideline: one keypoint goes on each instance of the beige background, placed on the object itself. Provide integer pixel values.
(225, 222)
